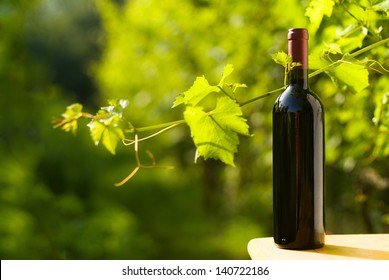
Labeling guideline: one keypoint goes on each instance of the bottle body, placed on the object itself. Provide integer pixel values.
(298, 156)
(298, 169)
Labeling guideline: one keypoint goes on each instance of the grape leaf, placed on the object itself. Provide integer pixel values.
(382, 7)
(333, 48)
(72, 114)
(317, 61)
(215, 133)
(316, 11)
(200, 89)
(320, 59)
(352, 37)
(96, 130)
(282, 58)
(106, 128)
(116, 106)
(354, 77)
(228, 69)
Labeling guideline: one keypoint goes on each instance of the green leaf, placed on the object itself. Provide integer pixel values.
(73, 111)
(351, 76)
(116, 106)
(332, 48)
(107, 130)
(228, 90)
(352, 37)
(317, 61)
(382, 7)
(282, 58)
(199, 90)
(72, 114)
(110, 138)
(215, 134)
(316, 11)
(228, 69)
(96, 131)
(107, 126)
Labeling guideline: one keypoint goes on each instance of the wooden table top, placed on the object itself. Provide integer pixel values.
(342, 246)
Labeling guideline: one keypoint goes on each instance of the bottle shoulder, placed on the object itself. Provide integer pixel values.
(297, 99)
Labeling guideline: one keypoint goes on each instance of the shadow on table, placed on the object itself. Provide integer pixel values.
(354, 252)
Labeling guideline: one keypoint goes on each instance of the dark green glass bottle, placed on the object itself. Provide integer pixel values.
(298, 156)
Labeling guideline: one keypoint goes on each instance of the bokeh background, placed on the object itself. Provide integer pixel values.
(57, 194)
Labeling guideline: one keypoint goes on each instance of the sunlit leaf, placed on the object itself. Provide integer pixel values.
(282, 58)
(228, 69)
(70, 126)
(106, 131)
(96, 131)
(70, 116)
(382, 7)
(111, 136)
(199, 90)
(215, 134)
(352, 37)
(333, 48)
(116, 106)
(351, 76)
(316, 11)
(228, 90)
(317, 61)
(73, 111)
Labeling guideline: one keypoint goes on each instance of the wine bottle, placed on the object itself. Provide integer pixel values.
(298, 156)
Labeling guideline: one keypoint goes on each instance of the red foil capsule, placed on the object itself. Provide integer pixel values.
(298, 46)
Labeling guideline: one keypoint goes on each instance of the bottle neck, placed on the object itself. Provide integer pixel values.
(298, 77)
(298, 47)
(298, 50)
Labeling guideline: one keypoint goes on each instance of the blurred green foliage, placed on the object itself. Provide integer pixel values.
(57, 199)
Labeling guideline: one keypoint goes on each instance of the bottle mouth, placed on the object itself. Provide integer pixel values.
(298, 34)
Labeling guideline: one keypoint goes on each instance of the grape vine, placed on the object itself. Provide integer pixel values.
(212, 111)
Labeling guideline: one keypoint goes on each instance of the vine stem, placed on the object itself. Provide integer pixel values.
(321, 70)
(165, 126)
(261, 96)
(352, 55)
(150, 136)
(370, 47)
(139, 164)
(157, 126)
